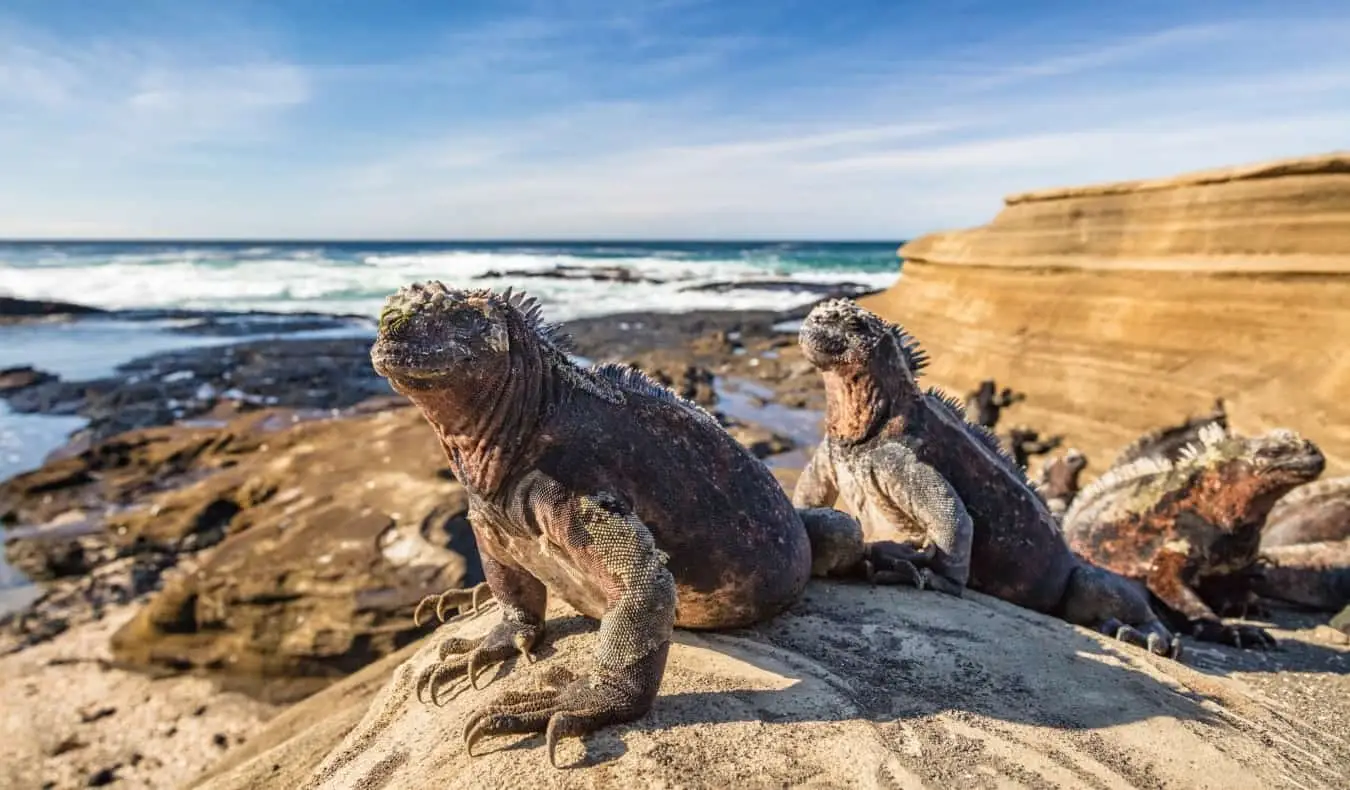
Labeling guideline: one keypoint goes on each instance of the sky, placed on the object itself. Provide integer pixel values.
(623, 119)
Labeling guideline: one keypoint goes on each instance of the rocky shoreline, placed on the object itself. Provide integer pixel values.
(254, 522)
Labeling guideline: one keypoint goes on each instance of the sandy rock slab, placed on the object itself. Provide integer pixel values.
(70, 718)
(854, 687)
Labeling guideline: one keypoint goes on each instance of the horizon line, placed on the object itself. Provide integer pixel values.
(431, 240)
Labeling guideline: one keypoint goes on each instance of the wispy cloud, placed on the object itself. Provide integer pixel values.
(683, 118)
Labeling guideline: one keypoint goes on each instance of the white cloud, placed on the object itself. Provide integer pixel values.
(828, 149)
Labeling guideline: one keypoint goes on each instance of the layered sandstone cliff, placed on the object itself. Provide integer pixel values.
(1123, 306)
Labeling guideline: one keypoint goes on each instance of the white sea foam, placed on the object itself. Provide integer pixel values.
(298, 279)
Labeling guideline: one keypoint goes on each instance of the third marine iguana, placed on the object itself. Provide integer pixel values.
(910, 464)
(1189, 528)
(601, 487)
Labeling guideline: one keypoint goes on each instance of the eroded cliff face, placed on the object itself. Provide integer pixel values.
(1121, 307)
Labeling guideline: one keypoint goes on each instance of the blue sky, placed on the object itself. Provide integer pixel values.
(627, 119)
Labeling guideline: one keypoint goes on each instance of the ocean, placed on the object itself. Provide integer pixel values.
(353, 278)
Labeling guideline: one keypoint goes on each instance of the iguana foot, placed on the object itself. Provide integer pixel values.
(458, 656)
(570, 705)
(890, 562)
(1157, 641)
(1239, 636)
(454, 597)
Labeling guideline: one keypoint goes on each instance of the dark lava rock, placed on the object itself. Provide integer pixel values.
(617, 274)
(15, 379)
(12, 309)
(212, 383)
(822, 290)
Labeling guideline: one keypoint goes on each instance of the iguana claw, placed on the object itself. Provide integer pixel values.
(569, 705)
(458, 656)
(457, 597)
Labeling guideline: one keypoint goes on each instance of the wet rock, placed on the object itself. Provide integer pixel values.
(15, 379)
(13, 310)
(822, 290)
(215, 382)
(759, 440)
(341, 528)
(615, 274)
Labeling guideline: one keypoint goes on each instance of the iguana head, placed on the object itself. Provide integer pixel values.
(869, 366)
(840, 336)
(1280, 459)
(430, 333)
(1075, 460)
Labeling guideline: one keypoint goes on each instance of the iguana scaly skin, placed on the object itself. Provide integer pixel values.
(601, 487)
(1189, 529)
(910, 464)
(1318, 511)
(1168, 442)
(1058, 483)
(1315, 574)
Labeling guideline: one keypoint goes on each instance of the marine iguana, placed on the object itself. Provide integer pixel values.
(1314, 574)
(599, 486)
(988, 406)
(1318, 511)
(1190, 529)
(1058, 483)
(1026, 442)
(1168, 442)
(911, 465)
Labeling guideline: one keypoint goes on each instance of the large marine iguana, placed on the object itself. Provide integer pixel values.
(1190, 528)
(601, 487)
(910, 464)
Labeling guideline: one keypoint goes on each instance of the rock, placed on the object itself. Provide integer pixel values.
(821, 290)
(304, 544)
(23, 377)
(1117, 307)
(14, 310)
(340, 530)
(214, 383)
(562, 271)
(762, 442)
(853, 687)
(1341, 622)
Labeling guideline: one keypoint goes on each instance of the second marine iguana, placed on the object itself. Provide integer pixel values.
(1190, 528)
(911, 465)
(602, 487)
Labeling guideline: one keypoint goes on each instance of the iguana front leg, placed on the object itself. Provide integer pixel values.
(837, 547)
(1167, 579)
(522, 599)
(609, 544)
(816, 487)
(916, 490)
